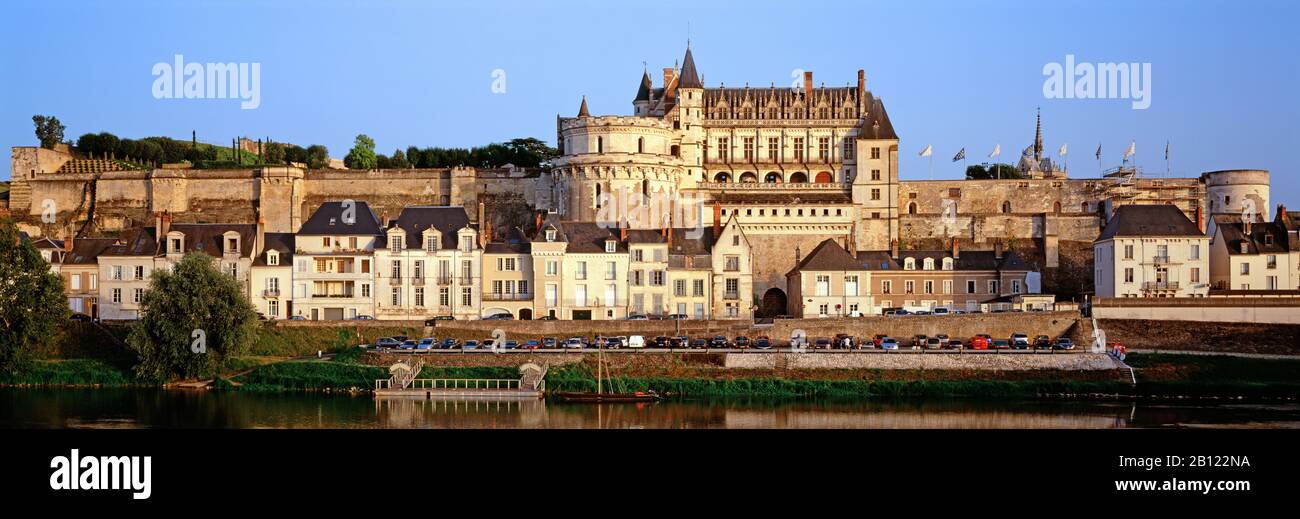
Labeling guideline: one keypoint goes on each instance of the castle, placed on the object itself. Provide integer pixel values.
(792, 167)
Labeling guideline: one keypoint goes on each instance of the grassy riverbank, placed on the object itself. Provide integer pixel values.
(70, 373)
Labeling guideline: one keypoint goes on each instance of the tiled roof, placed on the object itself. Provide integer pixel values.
(85, 251)
(830, 256)
(328, 221)
(447, 220)
(283, 242)
(207, 237)
(1264, 237)
(1149, 220)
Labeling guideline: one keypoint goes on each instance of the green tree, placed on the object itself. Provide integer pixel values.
(362, 155)
(32, 304)
(48, 130)
(398, 160)
(275, 153)
(317, 156)
(993, 171)
(192, 304)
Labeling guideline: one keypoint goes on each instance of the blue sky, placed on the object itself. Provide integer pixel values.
(1223, 82)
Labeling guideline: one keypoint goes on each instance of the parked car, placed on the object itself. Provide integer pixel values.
(548, 343)
(575, 343)
(822, 343)
(943, 339)
(490, 344)
(888, 343)
(762, 342)
(680, 341)
(500, 317)
(532, 344)
(450, 343)
(547, 318)
(1000, 344)
(636, 341)
(939, 310)
(407, 345)
(81, 318)
(638, 317)
(387, 342)
(433, 321)
(1064, 343)
(741, 342)
(1042, 342)
(933, 343)
(1019, 341)
(363, 317)
(718, 341)
(954, 344)
(981, 341)
(798, 341)
(877, 338)
(298, 318)
(510, 344)
(470, 345)
(699, 342)
(919, 340)
(425, 344)
(678, 317)
(662, 341)
(844, 341)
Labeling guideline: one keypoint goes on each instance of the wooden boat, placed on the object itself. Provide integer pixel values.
(600, 396)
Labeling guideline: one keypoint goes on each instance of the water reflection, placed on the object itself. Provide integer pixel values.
(116, 408)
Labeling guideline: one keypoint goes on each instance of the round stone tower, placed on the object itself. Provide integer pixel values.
(608, 165)
(1233, 191)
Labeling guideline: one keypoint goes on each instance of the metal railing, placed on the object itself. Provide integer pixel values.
(417, 281)
(271, 292)
(502, 296)
(1160, 259)
(480, 384)
(1160, 285)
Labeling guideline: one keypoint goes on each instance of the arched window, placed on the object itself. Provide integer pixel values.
(640, 145)
(911, 208)
(909, 264)
(928, 264)
(676, 150)
(798, 177)
(748, 176)
(1006, 207)
(600, 145)
(597, 196)
(772, 178)
(947, 263)
(722, 176)
(1085, 207)
(1056, 207)
(824, 177)
(645, 187)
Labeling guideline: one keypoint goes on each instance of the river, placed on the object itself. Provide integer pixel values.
(157, 408)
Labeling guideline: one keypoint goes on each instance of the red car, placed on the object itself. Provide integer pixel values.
(981, 341)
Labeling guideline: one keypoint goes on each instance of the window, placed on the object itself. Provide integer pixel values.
(397, 269)
(419, 296)
(875, 194)
(117, 295)
(993, 286)
(418, 271)
(444, 296)
(657, 278)
(552, 267)
(1128, 275)
(1270, 261)
(733, 287)
(580, 295)
(273, 308)
(732, 264)
(137, 295)
(823, 148)
(947, 286)
(1195, 252)
(550, 235)
(325, 242)
(848, 147)
(1128, 252)
(823, 309)
(272, 258)
(432, 242)
(679, 287)
(234, 270)
(506, 264)
(611, 246)
(773, 147)
(850, 285)
(637, 254)
(748, 148)
(611, 271)
(466, 296)
(1015, 286)
(875, 152)
(886, 286)
(139, 272)
(970, 286)
(723, 146)
(735, 240)
(698, 288)
(909, 286)
(1195, 275)
(928, 264)
(823, 284)
(365, 290)
(552, 294)
(581, 271)
(395, 243)
(1245, 269)
(175, 245)
(397, 296)
(94, 281)
(929, 286)
(798, 149)
(75, 279)
(909, 264)
(875, 174)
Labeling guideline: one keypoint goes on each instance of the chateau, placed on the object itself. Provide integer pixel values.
(780, 170)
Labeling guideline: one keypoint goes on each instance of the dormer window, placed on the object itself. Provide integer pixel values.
(232, 245)
(550, 235)
(947, 263)
(929, 264)
(1268, 239)
(909, 264)
(432, 242)
(272, 257)
(466, 243)
(174, 246)
(1245, 247)
(395, 242)
(611, 245)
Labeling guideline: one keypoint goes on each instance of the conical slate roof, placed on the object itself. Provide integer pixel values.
(689, 78)
(582, 110)
(643, 93)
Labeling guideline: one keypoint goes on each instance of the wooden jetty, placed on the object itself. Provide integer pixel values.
(403, 383)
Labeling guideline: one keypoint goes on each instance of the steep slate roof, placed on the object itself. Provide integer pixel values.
(830, 256)
(1234, 234)
(139, 241)
(86, 250)
(207, 237)
(282, 242)
(876, 124)
(582, 110)
(803, 197)
(516, 242)
(643, 92)
(689, 78)
(589, 237)
(1149, 220)
(968, 260)
(447, 220)
(328, 221)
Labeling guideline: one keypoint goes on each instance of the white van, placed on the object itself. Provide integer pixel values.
(636, 341)
(940, 310)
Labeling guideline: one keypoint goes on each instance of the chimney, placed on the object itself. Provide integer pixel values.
(485, 233)
(259, 242)
(717, 219)
(622, 233)
(668, 76)
(1245, 225)
(1200, 219)
(67, 243)
(797, 255)
(893, 249)
(862, 82)
(163, 225)
(807, 84)
(481, 208)
(956, 249)
(537, 223)
(997, 249)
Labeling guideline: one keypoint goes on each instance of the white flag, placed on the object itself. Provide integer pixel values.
(997, 150)
(1132, 149)
(927, 151)
(1064, 150)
